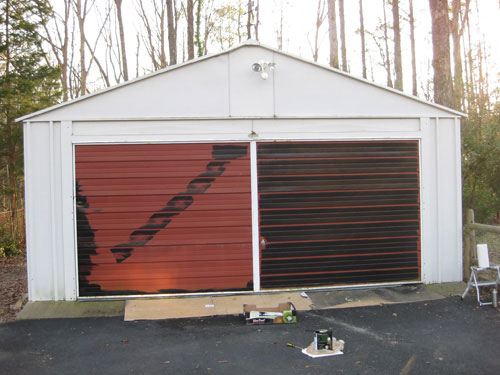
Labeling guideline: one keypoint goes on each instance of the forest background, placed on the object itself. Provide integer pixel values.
(444, 51)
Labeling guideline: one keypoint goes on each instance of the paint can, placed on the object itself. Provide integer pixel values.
(323, 339)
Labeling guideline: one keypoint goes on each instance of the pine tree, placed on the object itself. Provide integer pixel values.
(26, 85)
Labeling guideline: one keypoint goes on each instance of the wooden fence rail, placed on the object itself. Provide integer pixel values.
(470, 228)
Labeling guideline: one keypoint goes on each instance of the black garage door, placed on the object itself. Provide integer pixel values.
(339, 212)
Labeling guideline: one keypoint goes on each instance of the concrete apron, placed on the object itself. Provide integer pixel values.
(191, 307)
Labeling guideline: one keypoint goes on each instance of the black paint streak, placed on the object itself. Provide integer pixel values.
(214, 168)
(178, 203)
(199, 185)
(181, 201)
(85, 263)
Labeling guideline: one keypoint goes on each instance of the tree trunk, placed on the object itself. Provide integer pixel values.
(443, 91)
(190, 29)
(413, 54)
(457, 56)
(249, 19)
(257, 14)
(59, 45)
(472, 98)
(197, 35)
(320, 17)
(64, 51)
(332, 34)
(172, 37)
(163, 40)
(342, 35)
(279, 32)
(122, 38)
(398, 65)
(387, 55)
(81, 14)
(362, 34)
(456, 34)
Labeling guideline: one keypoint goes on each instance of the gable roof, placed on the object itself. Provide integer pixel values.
(223, 85)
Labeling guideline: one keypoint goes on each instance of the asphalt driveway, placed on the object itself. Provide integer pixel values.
(445, 336)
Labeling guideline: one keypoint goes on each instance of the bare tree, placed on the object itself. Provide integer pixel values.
(362, 34)
(190, 29)
(119, 18)
(249, 19)
(279, 32)
(225, 25)
(387, 55)
(257, 20)
(59, 44)
(456, 34)
(155, 36)
(398, 64)
(209, 23)
(413, 53)
(172, 32)
(320, 17)
(197, 33)
(203, 17)
(332, 33)
(137, 53)
(82, 8)
(105, 30)
(441, 52)
(342, 36)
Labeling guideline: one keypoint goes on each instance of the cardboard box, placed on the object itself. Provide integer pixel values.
(284, 313)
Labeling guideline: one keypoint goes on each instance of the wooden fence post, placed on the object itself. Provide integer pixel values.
(469, 242)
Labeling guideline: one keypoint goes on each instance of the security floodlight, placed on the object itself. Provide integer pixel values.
(263, 67)
(256, 67)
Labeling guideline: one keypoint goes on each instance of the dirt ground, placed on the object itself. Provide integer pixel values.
(13, 287)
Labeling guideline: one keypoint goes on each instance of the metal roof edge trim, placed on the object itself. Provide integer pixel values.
(248, 43)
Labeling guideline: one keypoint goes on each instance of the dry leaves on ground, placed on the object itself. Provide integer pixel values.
(13, 287)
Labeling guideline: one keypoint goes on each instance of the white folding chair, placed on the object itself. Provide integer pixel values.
(483, 265)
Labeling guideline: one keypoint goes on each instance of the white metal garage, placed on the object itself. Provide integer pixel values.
(206, 177)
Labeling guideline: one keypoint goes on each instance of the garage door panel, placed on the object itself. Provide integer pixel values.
(348, 213)
(133, 226)
(370, 197)
(126, 153)
(340, 277)
(175, 270)
(339, 263)
(341, 166)
(180, 253)
(332, 215)
(340, 247)
(149, 203)
(198, 219)
(340, 231)
(196, 186)
(354, 149)
(125, 287)
(345, 182)
(158, 169)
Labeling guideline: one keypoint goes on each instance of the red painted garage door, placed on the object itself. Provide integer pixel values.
(334, 213)
(163, 218)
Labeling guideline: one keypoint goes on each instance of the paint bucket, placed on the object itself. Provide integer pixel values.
(323, 339)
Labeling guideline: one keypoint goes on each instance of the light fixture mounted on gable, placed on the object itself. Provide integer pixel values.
(263, 67)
